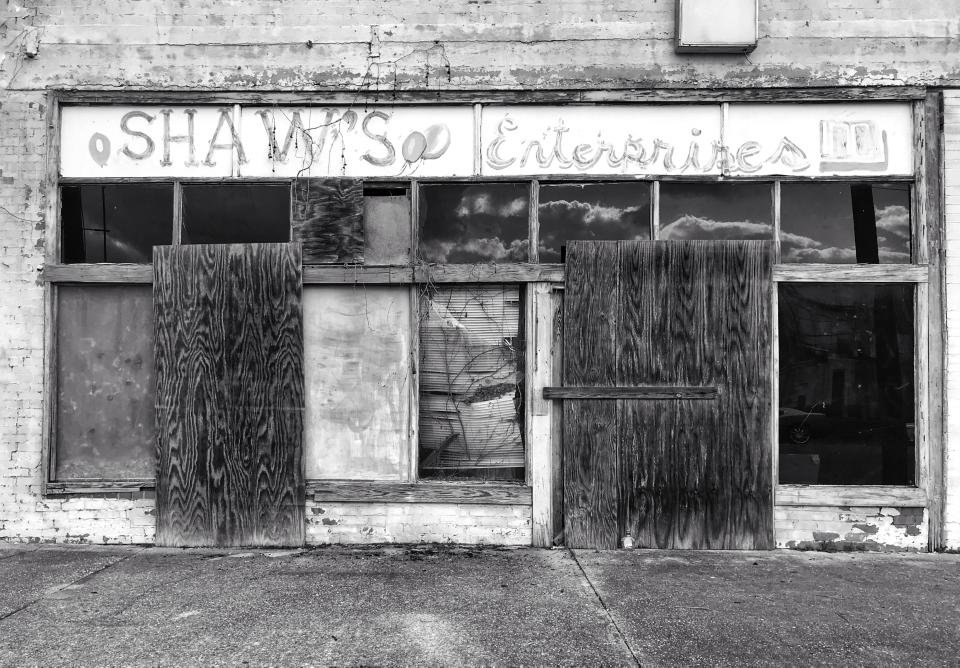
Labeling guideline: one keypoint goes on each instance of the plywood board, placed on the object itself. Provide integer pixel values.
(358, 378)
(591, 461)
(327, 220)
(229, 358)
(678, 472)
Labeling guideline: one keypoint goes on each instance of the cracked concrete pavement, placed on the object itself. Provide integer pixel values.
(460, 605)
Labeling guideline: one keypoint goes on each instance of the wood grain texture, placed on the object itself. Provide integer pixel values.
(591, 466)
(230, 396)
(697, 313)
(513, 272)
(678, 472)
(638, 392)
(348, 491)
(327, 219)
(851, 496)
(932, 184)
(864, 273)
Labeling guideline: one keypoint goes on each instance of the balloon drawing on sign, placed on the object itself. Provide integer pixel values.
(99, 148)
(427, 145)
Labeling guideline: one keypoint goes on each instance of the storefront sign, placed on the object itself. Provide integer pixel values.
(267, 141)
(753, 140)
(435, 141)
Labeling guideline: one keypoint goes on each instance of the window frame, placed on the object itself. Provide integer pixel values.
(925, 271)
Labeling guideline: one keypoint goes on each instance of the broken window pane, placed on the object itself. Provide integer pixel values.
(716, 211)
(471, 373)
(465, 223)
(846, 384)
(591, 212)
(236, 214)
(115, 222)
(106, 420)
(845, 222)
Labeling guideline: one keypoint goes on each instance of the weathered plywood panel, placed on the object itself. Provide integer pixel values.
(229, 357)
(358, 380)
(591, 467)
(106, 421)
(697, 313)
(327, 219)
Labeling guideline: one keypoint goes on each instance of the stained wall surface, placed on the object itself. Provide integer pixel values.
(581, 50)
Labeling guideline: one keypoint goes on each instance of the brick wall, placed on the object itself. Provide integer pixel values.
(871, 529)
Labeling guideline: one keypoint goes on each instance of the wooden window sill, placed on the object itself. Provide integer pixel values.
(97, 486)
(477, 493)
(850, 495)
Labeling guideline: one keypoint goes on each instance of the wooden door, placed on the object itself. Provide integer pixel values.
(667, 389)
(229, 366)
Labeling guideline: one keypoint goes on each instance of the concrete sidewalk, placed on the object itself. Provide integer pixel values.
(448, 605)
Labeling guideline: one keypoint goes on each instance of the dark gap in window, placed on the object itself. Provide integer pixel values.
(716, 211)
(115, 222)
(236, 213)
(471, 383)
(846, 407)
(385, 191)
(480, 222)
(591, 212)
(867, 223)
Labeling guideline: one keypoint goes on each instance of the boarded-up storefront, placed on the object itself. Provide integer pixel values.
(698, 323)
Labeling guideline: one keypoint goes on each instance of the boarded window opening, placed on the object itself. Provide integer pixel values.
(471, 383)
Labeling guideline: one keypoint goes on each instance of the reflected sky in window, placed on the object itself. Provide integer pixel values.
(716, 211)
(467, 223)
(817, 223)
(591, 212)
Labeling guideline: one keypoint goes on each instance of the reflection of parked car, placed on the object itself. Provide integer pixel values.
(800, 426)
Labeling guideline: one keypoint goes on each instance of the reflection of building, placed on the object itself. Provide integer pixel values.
(458, 148)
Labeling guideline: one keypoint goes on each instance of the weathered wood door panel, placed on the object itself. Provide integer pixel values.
(690, 472)
(229, 356)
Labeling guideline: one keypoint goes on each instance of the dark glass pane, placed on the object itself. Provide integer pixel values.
(591, 212)
(236, 214)
(716, 211)
(846, 384)
(115, 223)
(461, 223)
(106, 420)
(471, 382)
(845, 222)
